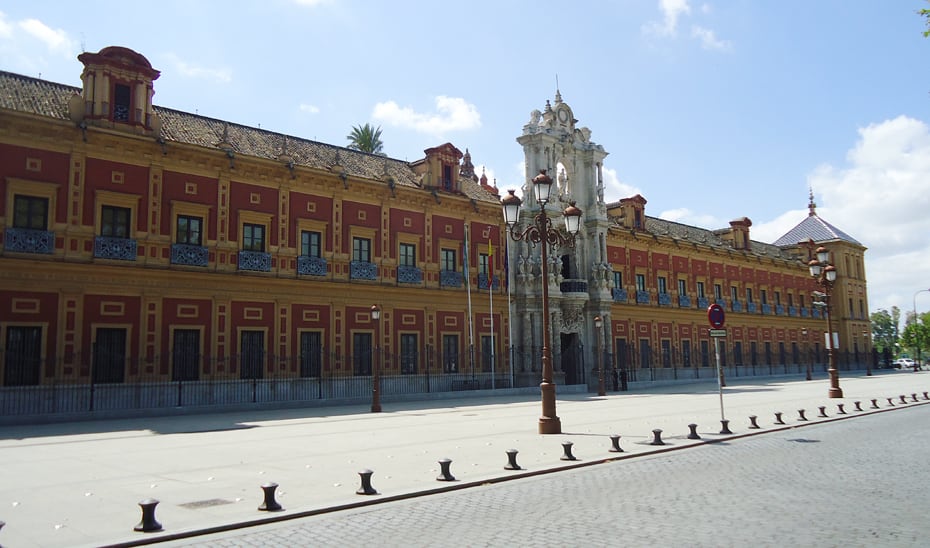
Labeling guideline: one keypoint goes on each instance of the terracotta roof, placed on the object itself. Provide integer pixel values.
(34, 96)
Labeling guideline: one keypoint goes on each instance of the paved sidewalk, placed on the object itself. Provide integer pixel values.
(79, 484)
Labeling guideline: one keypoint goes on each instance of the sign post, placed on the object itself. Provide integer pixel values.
(716, 317)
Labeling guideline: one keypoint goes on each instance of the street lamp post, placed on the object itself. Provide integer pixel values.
(868, 353)
(376, 375)
(542, 231)
(917, 328)
(807, 353)
(824, 274)
(601, 391)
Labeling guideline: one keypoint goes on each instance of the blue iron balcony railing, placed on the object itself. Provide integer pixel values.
(737, 306)
(409, 275)
(642, 297)
(189, 255)
(792, 311)
(805, 312)
(766, 308)
(780, 310)
(257, 261)
(573, 286)
(619, 295)
(751, 308)
(24, 240)
(703, 303)
(721, 302)
(684, 301)
(483, 281)
(450, 278)
(665, 299)
(122, 249)
(311, 266)
(360, 270)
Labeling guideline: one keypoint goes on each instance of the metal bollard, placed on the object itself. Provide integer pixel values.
(693, 435)
(875, 404)
(148, 524)
(615, 444)
(913, 397)
(778, 419)
(269, 504)
(567, 451)
(366, 488)
(903, 399)
(858, 405)
(801, 416)
(926, 397)
(657, 437)
(891, 403)
(725, 427)
(752, 422)
(512, 460)
(445, 474)
(839, 409)
(823, 411)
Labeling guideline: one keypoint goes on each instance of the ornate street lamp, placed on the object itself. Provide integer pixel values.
(807, 353)
(868, 353)
(376, 375)
(824, 274)
(598, 323)
(542, 231)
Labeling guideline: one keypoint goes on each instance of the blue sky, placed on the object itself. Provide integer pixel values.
(711, 110)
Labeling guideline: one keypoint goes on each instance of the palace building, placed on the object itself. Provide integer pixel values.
(155, 258)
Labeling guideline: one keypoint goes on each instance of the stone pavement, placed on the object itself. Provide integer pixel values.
(79, 484)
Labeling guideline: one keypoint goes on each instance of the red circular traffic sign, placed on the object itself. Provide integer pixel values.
(715, 315)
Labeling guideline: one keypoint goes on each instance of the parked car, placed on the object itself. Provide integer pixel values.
(903, 363)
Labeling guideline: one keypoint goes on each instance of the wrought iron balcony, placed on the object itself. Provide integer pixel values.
(190, 255)
(122, 249)
(779, 310)
(483, 281)
(751, 308)
(665, 299)
(703, 302)
(573, 286)
(815, 313)
(766, 308)
(24, 240)
(684, 301)
(805, 312)
(360, 270)
(409, 275)
(737, 306)
(619, 295)
(792, 311)
(311, 266)
(257, 261)
(642, 297)
(721, 302)
(450, 278)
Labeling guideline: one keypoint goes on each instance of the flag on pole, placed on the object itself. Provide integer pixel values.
(490, 266)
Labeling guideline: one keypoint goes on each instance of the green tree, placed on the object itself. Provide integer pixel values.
(366, 138)
(917, 334)
(925, 13)
(885, 328)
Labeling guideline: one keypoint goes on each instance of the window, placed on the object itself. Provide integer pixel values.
(801, 298)
(753, 354)
(253, 237)
(763, 294)
(682, 287)
(361, 353)
(790, 299)
(734, 293)
(718, 292)
(189, 230)
(737, 353)
(448, 262)
(121, 103)
(251, 354)
(748, 294)
(700, 290)
(666, 353)
(185, 355)
(686, 353)
(23, 357)
(311, 353)
(483, 264)
(114, 221)
(621, 353)
(705, 354)
(450, 353)
(640, 282)
(663, 289)
(408, 255)
(768, 353)
(30, 212)
(777, 298)
(310, 243)
(109, 362)
(618, 279)
(487, 354)
(408, 353)
(644, 354)
(361, 250)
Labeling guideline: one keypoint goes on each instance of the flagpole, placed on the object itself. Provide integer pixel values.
(471, 324)
(509, 310)
(491, 297)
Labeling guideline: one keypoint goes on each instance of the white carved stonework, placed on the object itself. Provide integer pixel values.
(572, 318)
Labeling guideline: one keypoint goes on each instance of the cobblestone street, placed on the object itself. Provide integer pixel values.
(860, 482)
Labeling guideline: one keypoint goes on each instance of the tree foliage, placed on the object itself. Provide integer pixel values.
(366, 138)
(917, 333)
(925, 13)
(885, 328)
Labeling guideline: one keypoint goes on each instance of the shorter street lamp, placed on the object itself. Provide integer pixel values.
(376, 375)
(542, 231)
(824, 274)
(601, 391)
(868, 353)
(807, 353)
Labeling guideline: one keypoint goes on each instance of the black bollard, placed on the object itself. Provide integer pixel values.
(725, 424)
(148, 524)
(801, 416)
(823, 411)
(858, 405)
(567, 451)
(839, 409)
(615, 444)
(926, 397)
(657, 437)
(366, 488)
(903, 399)
(875, 404)
(752, 422)
(913, 397)
(512, 460)
(891, 403)
(269, 504)
(778, 419)
(693, 435)
(445, 474)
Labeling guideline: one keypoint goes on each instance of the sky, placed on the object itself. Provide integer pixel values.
(711, 111)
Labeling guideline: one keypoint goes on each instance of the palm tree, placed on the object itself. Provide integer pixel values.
(366, 138)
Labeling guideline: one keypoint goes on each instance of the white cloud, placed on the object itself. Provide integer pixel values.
(686, 216)
(219, 75)
(671, 11)
(615, 189)
(310, 109)
(55, 40)
(6, 29)
(709, 40)
(451, 114)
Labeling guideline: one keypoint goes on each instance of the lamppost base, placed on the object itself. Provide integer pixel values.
(550, 425)
(836, 392)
